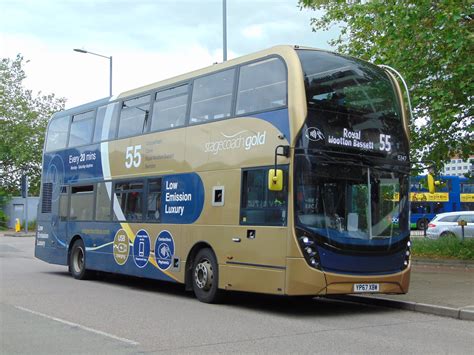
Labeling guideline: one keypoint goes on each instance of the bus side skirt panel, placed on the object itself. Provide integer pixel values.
(51, 255)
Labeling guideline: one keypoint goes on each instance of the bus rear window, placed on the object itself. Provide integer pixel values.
(81, 129)
(57, 133)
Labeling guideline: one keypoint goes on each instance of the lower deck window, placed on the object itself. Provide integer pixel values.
(82, 200)
(260, 206)
(63, 203)
(130, 198)
(154, 200)
(102, 203)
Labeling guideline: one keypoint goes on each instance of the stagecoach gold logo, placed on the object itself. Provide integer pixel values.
(121, 247)
(245, 140)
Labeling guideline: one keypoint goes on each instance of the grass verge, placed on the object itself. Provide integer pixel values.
(443, 248)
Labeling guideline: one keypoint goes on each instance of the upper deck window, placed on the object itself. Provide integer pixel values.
(106, 122)
(57, 133)
(212, 97)
(169, 109)
(81, 129)
(467, 188)
(133, 116)
(262, 86)
(337, 83)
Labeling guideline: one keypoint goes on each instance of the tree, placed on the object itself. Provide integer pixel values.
(4, 198)
(431, 44)
(23, 120)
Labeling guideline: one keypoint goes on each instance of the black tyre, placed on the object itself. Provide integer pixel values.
(447, 234)
(77, 261)
(420, 224)
(205, 275)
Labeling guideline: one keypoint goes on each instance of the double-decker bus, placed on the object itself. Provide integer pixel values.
(454, 193)
(272, 173)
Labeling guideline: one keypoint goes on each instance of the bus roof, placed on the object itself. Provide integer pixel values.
(81, 108)
(285, 51)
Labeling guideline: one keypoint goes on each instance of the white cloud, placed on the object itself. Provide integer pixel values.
(149, 40)
(253, 31)
(83, 77)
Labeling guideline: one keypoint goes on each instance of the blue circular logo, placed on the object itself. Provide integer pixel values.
(164, 250)
(55, 174)
(141, 248)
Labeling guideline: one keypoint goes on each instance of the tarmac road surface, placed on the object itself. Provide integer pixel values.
(44, 310)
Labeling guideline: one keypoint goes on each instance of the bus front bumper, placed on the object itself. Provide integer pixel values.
(301, 279)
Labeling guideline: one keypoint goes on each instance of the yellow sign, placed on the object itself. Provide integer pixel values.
(395, 197)
(467, 197)
(427, 197)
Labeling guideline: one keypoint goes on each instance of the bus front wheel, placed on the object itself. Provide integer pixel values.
(77, 261)
(205, 277)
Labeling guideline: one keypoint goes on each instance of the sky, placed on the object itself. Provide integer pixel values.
(149, 40)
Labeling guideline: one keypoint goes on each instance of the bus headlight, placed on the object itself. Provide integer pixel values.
(407, 255)
(310, 252)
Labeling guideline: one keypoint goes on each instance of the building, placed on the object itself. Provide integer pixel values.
(15, 208)
(458, 167)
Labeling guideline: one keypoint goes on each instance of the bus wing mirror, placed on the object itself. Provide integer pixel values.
(275, 176)
(275, 180)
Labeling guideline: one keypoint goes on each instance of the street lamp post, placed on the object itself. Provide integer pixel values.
(224, 31)
(103, 56)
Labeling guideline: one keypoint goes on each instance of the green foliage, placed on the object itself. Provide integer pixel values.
(23, 120)
(431, 44)
(444, 248)
(31, 225)
(4, 198)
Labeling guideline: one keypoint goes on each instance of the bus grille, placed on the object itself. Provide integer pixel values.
(47, 197)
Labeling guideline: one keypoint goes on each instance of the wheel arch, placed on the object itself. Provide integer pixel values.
(445, 232)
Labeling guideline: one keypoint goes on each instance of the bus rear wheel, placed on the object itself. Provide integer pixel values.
(77, 261)
(421, 223)
(205, 277)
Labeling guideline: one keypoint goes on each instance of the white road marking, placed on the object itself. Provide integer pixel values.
(124, 340)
